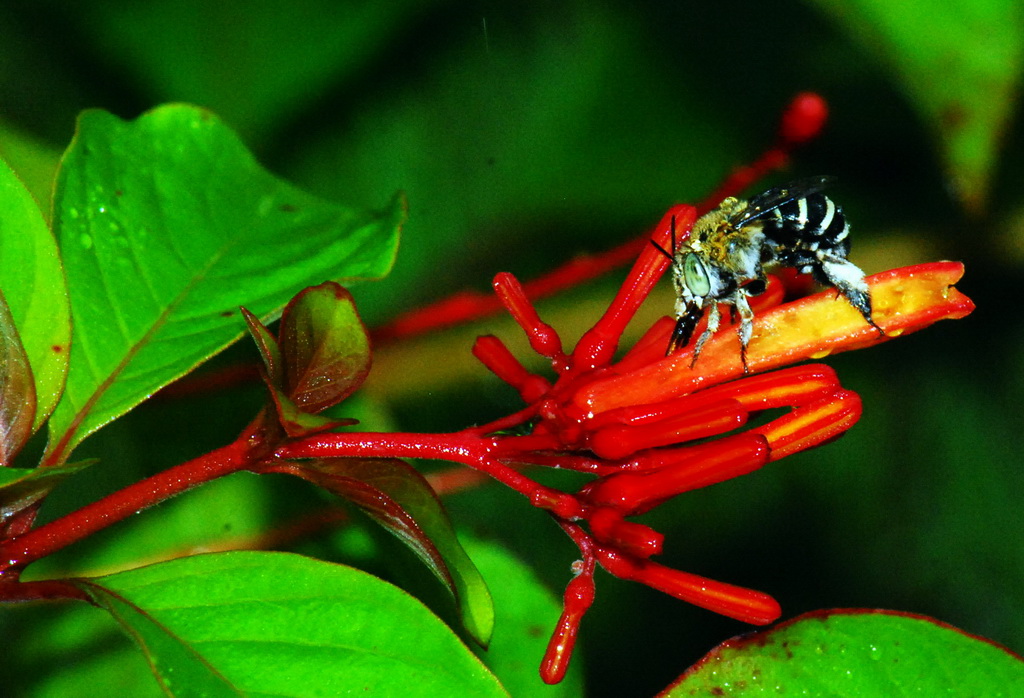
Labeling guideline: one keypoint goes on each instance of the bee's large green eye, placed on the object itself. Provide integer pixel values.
(696, 277)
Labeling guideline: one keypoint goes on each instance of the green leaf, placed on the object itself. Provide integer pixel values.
(17, 389)
(960, 63)
(324, 347)
(855, 653)
(23, 487)
(167, 224)
(252, 623)
(33, 285)
(400, 499)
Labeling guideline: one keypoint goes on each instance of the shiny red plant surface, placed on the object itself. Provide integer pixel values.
(634, 422)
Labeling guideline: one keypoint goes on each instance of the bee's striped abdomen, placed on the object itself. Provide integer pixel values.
(803, 232)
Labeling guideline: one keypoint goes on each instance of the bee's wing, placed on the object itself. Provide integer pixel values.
(778, 196)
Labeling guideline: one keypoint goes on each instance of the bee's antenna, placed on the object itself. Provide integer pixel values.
(662, 250)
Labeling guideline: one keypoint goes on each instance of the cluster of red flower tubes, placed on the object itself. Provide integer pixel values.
(646, 424)
(649, 426)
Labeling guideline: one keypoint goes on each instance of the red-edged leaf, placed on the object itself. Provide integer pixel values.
(17, 389)
(267, 346)
(324, 346)
(855, 652)
(398, 497)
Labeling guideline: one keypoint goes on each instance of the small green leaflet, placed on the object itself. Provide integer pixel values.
(32, 283)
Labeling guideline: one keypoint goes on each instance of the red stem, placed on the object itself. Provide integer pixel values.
(468, 447)
(21, 550)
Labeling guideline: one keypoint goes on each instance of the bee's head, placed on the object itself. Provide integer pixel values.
(698, 278)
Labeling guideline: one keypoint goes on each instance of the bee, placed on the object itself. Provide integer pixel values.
(723, 259)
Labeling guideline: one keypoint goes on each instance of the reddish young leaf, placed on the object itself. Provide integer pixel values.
(324, 347)
(297, 423)
(17, 389)
(401, 500)
(267, 346)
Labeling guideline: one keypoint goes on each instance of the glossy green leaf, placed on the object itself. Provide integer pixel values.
(32, 282)
(167, 224)
(401, 500)
(324, 347)
(17, 389)
(855, 653)
(960, 63)
(252, 623)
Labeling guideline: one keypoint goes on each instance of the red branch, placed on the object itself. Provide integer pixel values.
(37, 543)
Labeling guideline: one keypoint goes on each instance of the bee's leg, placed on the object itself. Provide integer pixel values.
(685, 324)
(849, 280)
(714, 317)
(746, 328)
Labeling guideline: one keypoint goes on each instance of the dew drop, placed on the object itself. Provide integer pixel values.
(85, 240)
(266, 203)
(73, 213)
(821, 354)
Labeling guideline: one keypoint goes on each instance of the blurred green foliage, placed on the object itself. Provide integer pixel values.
(526, 133)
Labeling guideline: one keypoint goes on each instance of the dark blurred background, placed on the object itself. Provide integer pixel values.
(524, 134)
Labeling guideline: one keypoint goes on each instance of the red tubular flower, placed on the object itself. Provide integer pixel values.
(632, 422)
